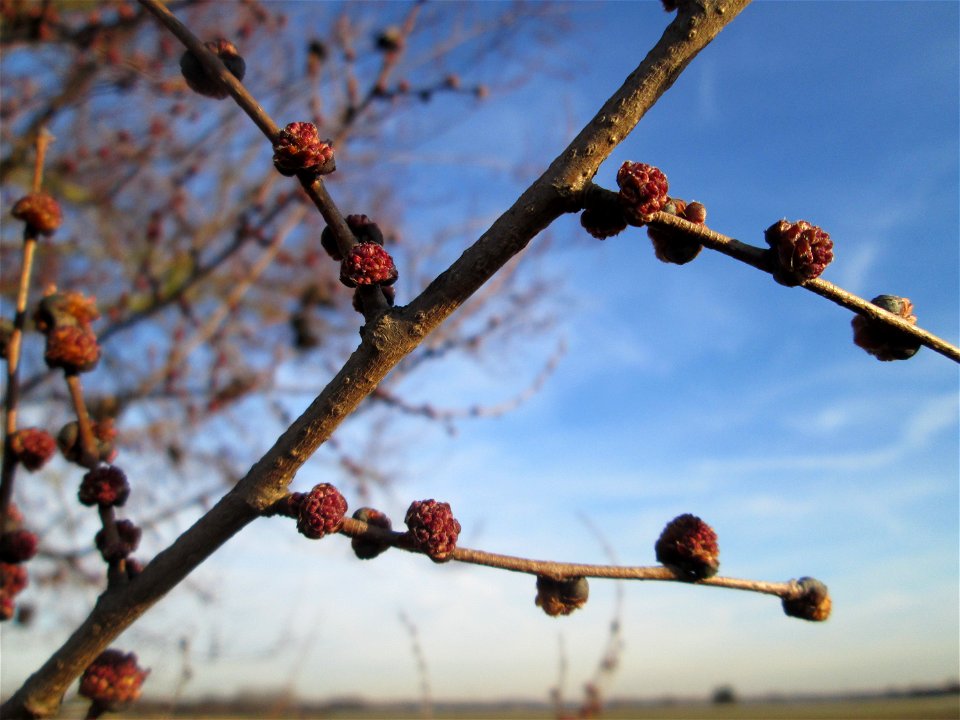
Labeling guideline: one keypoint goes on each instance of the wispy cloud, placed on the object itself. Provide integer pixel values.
(919, 429)
(707, 105)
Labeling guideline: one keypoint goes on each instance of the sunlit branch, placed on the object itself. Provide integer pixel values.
(758, 258)
(563, 570)
(12, 396)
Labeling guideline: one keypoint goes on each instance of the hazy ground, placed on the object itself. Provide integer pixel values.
(916, 708)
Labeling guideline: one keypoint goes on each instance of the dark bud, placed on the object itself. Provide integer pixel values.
(197, 77)
(561, 597)
(812, 603)
(879, 339)
(367, 548)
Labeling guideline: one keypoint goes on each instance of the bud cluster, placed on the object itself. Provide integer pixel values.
(65, 318)
(104, 486)
(643, 191)
(432, 528)
(40, 212)
(298, 149)
(800, 251)
(367, 263)
(112, 680)
(33, 447)
(126, 542)
(320, 512)
(688, 546)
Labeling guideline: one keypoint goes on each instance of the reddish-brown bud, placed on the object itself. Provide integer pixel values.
(363, 228)
(17, 546)
(65, 308)
(603, 217)
(672, 246)
(33, 447)
(367, 548)
(688, 546)
(801, 251)
(297, 148)
(113, 679)
(561, 597)
(812, 603)
(432, 528)
(39, 211)
(68, 440)
(643, 191)
(72, 348)
(881, 340)
(202, 82)
(695, 212)
(367, 264)
(128, 539)
(104, 485)
(321, 511)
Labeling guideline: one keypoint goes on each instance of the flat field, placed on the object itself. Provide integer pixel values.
(877, 708)
(920, 708)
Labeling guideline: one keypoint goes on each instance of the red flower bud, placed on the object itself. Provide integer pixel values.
(801, 251)
(688, 546)
(321, 511)
(39, 211)
(113, 679)
(432, 528)
(643, 191)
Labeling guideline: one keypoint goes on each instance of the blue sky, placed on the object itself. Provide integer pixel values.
(706, 388)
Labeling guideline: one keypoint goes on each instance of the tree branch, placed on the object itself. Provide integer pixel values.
(759, 258)
(385, 342)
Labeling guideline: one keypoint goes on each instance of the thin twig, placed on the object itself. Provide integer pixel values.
(757, 257)
(374, 302)
(214, 66)
(89, 454)
(12, 399)
(565, 570)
